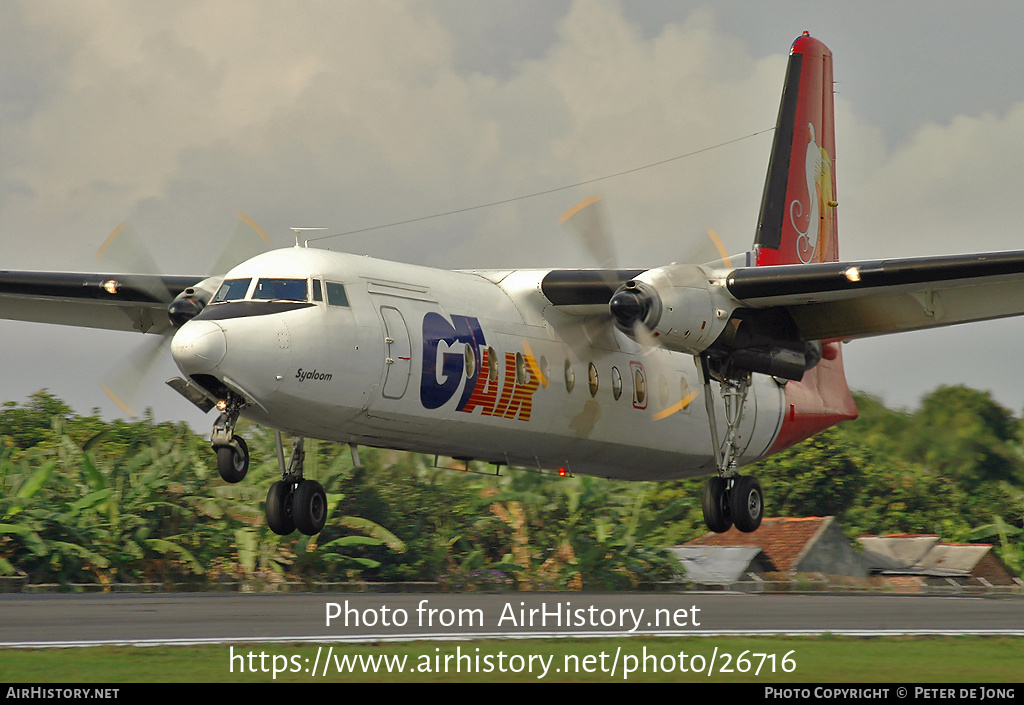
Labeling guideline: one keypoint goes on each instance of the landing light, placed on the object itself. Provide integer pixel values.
(110, 286)
(853, 274)
(222, 405)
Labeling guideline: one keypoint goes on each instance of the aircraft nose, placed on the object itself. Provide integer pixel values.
(198, 347)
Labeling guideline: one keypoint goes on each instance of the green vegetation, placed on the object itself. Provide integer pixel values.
(821, 660)
(955, 468)
(86, 500)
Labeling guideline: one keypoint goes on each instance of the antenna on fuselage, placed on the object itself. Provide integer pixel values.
(298, 233)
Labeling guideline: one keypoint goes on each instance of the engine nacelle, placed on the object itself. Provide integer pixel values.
(683, 310)
(678, 305)
(190, 303)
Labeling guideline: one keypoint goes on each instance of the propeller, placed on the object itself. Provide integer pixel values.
(127, 252)
(720, 246)
(635, 307)
(587, 220)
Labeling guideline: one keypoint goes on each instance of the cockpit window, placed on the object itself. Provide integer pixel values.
(232, 290)
(281, 289)
(336, 295)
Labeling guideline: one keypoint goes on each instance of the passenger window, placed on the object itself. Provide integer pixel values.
(520, 368)
(232, 290)
(640, 387)
(492, 365)
(336, 295)
(281, 289)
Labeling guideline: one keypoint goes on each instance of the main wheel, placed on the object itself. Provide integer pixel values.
(232, 463)
(746, 504)
(279, 508)
(309, 507)
(715, 504)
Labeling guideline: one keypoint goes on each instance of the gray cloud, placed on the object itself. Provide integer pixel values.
(354, 114)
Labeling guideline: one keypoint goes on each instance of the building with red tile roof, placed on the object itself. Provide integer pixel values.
(804, 545)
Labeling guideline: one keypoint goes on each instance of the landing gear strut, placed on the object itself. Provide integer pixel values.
(729, 499)
(294, 502)
(232, 451)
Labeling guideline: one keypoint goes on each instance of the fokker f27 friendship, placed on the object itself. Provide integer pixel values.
(654, 374)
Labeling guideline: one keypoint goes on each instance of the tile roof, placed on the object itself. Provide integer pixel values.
(783, 540)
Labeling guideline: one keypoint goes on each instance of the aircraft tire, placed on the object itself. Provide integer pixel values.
(232, 464)
(746, 504)
(279, 508)
(715, 503)
(309, 507)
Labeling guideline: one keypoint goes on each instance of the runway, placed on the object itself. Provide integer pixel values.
(38, 621)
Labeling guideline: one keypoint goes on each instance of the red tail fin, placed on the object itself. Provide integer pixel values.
(798, 222)
(798, 225)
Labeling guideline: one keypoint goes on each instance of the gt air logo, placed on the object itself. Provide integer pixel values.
(456, 350)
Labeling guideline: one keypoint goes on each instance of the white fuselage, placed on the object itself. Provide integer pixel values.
(475, 365)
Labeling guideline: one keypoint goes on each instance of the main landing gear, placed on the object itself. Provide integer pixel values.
(293, 502)
(729, 499)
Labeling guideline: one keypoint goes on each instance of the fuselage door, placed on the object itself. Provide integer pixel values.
(398, 353)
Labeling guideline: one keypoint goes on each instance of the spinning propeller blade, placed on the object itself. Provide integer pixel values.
(586, 220)
(126, 251)
(720, 246)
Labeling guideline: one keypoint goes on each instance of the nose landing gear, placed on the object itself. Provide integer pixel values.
(233, 460)
(232, 451)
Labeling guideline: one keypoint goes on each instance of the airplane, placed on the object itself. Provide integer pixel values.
(573, 371)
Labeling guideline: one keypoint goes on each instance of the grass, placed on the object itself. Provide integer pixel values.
(825, 659)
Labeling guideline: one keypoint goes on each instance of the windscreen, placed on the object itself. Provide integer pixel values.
(281, 289)
(232, 290)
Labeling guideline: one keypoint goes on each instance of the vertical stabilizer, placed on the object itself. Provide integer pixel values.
(797, 223)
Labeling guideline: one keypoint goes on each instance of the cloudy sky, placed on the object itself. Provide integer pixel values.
(350, 115)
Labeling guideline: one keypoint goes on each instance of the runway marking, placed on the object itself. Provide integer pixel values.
(364, 638)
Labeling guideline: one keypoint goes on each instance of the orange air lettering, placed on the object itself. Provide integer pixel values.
(522, 397)
(508, 386)
(485, 393)
(516, 400)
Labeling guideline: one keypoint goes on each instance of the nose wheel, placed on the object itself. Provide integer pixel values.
(233, 460)
(232, 451)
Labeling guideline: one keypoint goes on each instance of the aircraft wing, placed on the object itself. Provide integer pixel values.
(135, 302)
(846, 300)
